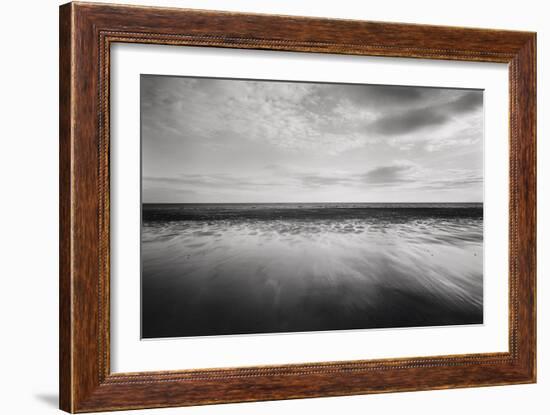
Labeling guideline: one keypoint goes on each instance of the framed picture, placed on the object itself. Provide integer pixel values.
(260, 207)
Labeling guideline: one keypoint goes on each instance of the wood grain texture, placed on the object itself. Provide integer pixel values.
(65, 247)
(86, 33)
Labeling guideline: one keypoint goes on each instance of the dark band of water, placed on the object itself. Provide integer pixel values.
(311, 211)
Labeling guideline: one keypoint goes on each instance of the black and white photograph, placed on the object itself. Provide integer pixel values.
(275, 206)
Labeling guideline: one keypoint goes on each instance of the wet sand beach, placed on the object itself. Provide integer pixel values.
(243, 268)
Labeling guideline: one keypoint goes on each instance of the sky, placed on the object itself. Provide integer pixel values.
(210, 140)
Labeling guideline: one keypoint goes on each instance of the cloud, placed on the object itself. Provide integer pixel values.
(406, 175)
(393, 174)
(373, 96)
(386, 95)
(211, 181)
(278, 176)
(292, 116)
(320, 180)
(260, 140)
(435, 115)
(400, 173)
(470, 101)
(453, 179)
(408, 122)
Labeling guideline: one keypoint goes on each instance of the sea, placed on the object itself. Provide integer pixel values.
(251, 268)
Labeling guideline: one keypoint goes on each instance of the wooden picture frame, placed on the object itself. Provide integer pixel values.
(86, 33)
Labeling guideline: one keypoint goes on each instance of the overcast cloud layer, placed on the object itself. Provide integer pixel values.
(215, 140)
